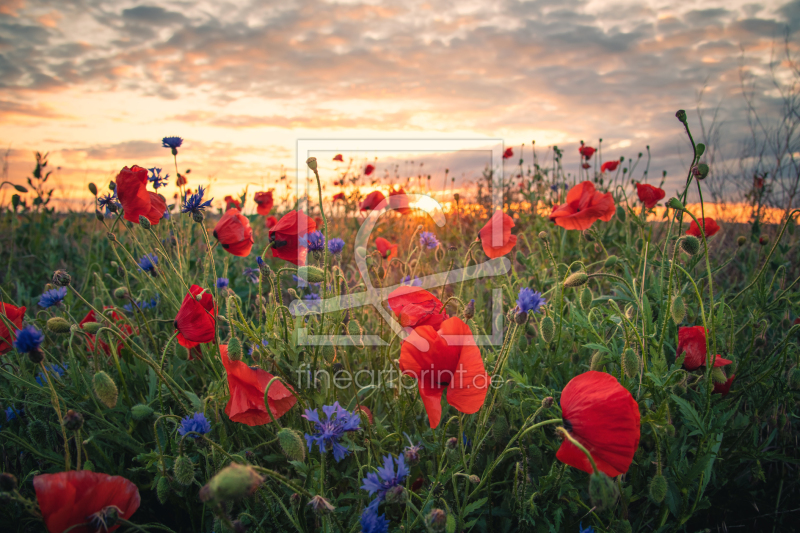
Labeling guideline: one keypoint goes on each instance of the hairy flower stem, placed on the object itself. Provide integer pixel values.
(56, 405)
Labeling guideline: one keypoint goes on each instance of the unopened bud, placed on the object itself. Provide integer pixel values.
(678, 309)
(602, 491)
(234, 349)
(198, 216)
(144, 222)
(469, 311)
(61, 278)
(141, 411)
(586, 299)
(58, 325)
(396, 494)
(121, 293)
(184, 470)
(99, 215)
(700, 171)
(547, 402)
(91, 327)
(73, 420)
(474, 479)
(658, 488)
(311, 274)
(763, 240)
(291, 443)
(233, 482)
(548, 329)
(621, 214)
(690, 244)
(630, 363)
(576, 280)
(597, 361)
(105, 389)
(674, 203)
(544, 236)
(610, 261)
(741, 240)
(521, 317)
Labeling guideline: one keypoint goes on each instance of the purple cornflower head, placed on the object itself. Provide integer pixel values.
(157, 179)
(56, 371)
(428, 240)
(222, 283)
(148, 263)
(11, 414)
(171, 142)
(109, 203)
(251, 274)
(337, 421)
(384, 479)
(314, 241)
(166, 215)
(312, 301)
(530, 301)
(372, 523)
(195, 203)
(589, 529)
(197, 422)
(416, 282)
(52, 297)
(28, 339)
(335, 246)
(411, 452)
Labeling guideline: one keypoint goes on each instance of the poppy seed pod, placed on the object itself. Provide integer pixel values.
(548, 329)
(141, 411)
(602, 491)
(678, 309)
(630, 363)
(291, 443)
(312, 163)
(58, 324)
(233, 482)
(658, 488)
(184, 470)
(700, 171)
(576, 280)
(674, 203)
(681, 115)
(105, 389)
(61, 278)
(690, 244)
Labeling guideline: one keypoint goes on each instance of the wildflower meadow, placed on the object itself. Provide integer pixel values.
(546, 352)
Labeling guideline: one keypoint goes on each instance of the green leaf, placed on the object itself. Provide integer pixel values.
(701, 149)
(690, 414)
(474, 506)
(595, 346)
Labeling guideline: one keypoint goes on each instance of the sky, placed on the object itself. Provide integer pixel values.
(98, 83)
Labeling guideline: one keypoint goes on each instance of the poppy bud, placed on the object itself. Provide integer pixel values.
(678, 309)
(681, 115)
(794, 378)
(630, 363)
(621, 213)
(93, 188)
(544, 236)
(319, 504)
(141, 411)
(234, 349)
(58, 324)
(91, 327)
(548, 329)
(144, 222)
(233, 482)
(312, 163)
(163, 490)
(184, 470)
(610, 261)
(602, 491)
(700, 171)
(198, 216)
(521, 317)
(73, 420)
(436, 520)
(37, 431)
(597, 361)
(99, 215)
(311, 274)
(586, 299)
(658, 488)
(690, 244)
(763, 240)
(61, 278)
(500, 428)
(674, 203)
(741, 240)
(105, 389)
(576, 280)
(121, 293)
(8, 482)
(469, 311)
(292, 444)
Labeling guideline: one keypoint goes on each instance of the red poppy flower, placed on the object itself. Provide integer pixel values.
(181, 180)
(136, 200)
(372, 201)
(264, 202)
(271, 222)
(234, 233)
(609, 165)
(369, 169)
(458, 367)
(586, 151)
(120, 323)
(496, 237)
(285, 236)
(318, 222)
(399, 201)
(15, 315)
(508, 154)
(67, 499)
(758, 182)
(692, 340)
(232, 203)
(387, 249)
(583, 207)
(247, 386)
(338, 157)
(710, 225)
(724, 388)
(415, 306)
(603, 416)
(196, 320)
(339, 196)
(586, 166)
(649, 195)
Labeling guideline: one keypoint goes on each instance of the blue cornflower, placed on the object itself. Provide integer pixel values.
(416, 282)
(157, 179)
(314, 241)
(197, 423)
(171, 142)
(109, 203)
(251, 274)
(222, 283)
(337, 421)
(195, 203)
(530, 301)
(52, 297)
(56, 371)
(428, 240)
(166, 215)
(335, 246)
(28, 339)
(589, 529)
(385, 479)
(302, 283)
(312, 301)
(372, 523)
(264, 343)
(554, 187)
(148, 263)
(11, 413)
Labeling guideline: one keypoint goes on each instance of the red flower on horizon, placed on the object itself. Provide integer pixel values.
(602, 415)
(264, 201)
(270, 222)
(609, 165)
(457, 368)
(758, 182)
(724, 388)
(234, 233)
(339, 197)
(508, 154)
(586, 166)
(120, 322)
(709, 223)
(415, 306)
(586, 151)
(387, 249)
(649, 195)
(692, 340)
(134, 197)
(286, 234)
(67, 499)
(369, 169)
(584, 206)
(15, 315)
(247, 386)
(398, 201)
(232, 203)
(501, 224)
(338, 157)
(372, 201)
(181, 180)
(196, 320)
